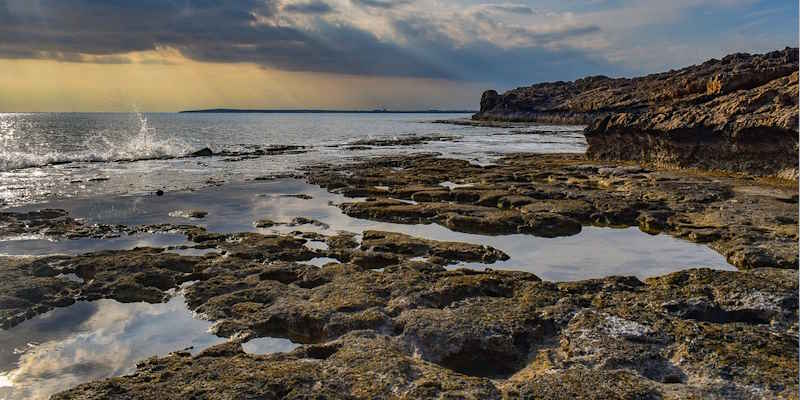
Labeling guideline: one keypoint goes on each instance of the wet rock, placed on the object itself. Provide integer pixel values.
(373, 259)
(431, 196)
(361, 365)
(252, 151)
(550, 225)
(32, 286)
(401, 141)
(57, 224)
(42, 222)
(583, 383)
(580, 210)
(418, 330)
(28, 287)
(342, 240)
(191, 214)
(141, 274)
(265, 223)
(300, 196)
(254, 246)
(408, 246)
(204, 152)
(414, 330)
(298, 221)
(554, 195)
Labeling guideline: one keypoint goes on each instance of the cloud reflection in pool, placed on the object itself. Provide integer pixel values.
(93, 340)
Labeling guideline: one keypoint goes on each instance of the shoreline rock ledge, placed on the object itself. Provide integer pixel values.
(738, 114)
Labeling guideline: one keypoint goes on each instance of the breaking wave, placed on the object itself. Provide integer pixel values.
(11, 160)
(100, 148)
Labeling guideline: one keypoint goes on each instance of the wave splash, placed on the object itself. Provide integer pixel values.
(100, 148)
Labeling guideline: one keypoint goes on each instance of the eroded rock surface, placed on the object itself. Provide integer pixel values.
(47, 222)
(401, 141)
(418, 331)
(750, 131)
(735, 114)
(31, 286)
(753, 224)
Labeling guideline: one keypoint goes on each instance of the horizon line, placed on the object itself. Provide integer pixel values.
(255, 111)
(327, 110)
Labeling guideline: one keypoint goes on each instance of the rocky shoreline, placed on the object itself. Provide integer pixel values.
(752, 223)
(388, 319)
(738, 114)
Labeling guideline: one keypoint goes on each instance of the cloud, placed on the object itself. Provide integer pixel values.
(504, 42)
(382, 3)
(510, 8)
(230, 31)
(311, 7)
(276, 34)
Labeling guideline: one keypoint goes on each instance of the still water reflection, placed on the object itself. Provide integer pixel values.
(268, 345)
(93, 340)
(594, 253)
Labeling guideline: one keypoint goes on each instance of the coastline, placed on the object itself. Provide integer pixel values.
(736, 114)
(384, 297)
(399, 200)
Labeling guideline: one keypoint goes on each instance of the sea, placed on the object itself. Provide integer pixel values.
(44, 156)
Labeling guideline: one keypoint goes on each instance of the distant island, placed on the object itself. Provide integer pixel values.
(314, 111)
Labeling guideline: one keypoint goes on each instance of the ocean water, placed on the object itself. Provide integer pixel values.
(57, 155)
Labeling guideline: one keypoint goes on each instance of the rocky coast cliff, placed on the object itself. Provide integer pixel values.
(738, 114)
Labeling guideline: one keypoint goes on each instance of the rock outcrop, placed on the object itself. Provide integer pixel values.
(738, 114)
(418, 331)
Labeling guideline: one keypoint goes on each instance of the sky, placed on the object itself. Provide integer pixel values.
(170, 55)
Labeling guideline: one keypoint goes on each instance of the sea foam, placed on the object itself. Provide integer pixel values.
(146, 145)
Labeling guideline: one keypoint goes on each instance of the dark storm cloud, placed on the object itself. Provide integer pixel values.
(234, 31)
(336, 49)
(206, 30)
(115, 26)
(507, 67)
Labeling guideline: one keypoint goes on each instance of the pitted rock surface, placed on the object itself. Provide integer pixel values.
(418, 330)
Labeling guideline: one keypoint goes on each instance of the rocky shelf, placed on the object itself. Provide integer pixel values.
(737, 114)
(387, 320)
(752, 223)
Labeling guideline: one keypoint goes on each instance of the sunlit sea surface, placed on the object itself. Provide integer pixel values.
(57, 155)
